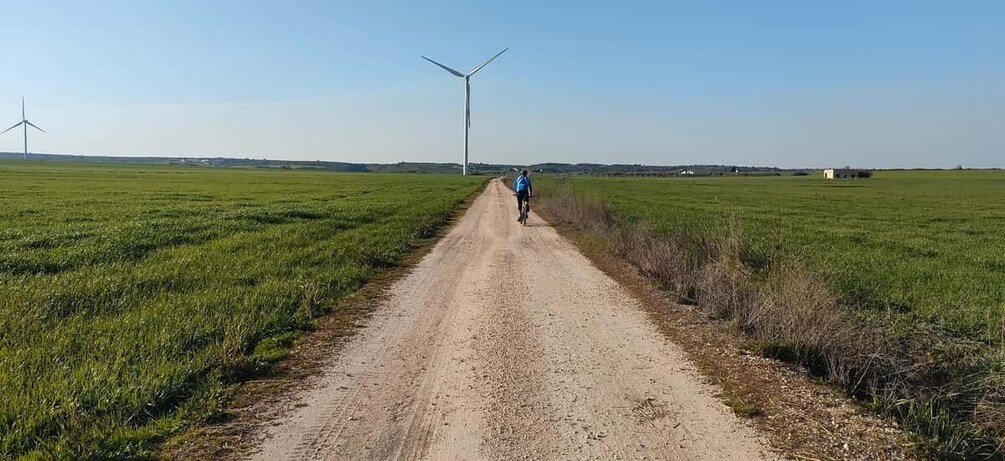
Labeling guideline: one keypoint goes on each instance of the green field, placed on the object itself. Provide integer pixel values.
(928, 246)
(891, 287)
(130, 295)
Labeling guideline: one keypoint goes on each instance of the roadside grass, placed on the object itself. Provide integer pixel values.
(743, 408)
(838, 277)
(133, 295)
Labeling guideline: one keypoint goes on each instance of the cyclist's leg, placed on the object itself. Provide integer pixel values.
(521, 197)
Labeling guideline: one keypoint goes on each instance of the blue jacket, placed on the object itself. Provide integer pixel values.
(522, 183)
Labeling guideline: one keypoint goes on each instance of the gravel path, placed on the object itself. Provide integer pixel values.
(506, 343)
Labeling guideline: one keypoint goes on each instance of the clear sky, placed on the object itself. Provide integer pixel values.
(774, 83)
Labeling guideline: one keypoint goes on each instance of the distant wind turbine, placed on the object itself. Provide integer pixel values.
(24, 121)
(467, 98)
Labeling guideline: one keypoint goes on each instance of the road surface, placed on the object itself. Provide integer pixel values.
(506, 343)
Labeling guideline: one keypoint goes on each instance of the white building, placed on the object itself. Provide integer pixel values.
(846, 173)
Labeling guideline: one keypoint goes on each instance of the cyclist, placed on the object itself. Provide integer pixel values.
(524, 191)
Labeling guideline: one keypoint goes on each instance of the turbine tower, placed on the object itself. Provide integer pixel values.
(467, 98)
(24, 121)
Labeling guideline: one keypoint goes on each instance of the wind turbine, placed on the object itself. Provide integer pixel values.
(467, 98)
(24, 121)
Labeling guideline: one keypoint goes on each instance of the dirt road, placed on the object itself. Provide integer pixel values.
(506, 343)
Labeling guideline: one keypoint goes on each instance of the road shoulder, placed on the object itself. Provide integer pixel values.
(800, 417)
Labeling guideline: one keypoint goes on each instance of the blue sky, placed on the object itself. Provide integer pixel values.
(784, 83)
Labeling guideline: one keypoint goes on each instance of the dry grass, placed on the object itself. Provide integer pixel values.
(946, 389)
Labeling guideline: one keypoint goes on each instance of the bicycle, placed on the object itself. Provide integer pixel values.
(524, 211)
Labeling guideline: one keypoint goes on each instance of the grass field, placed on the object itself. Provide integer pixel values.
(892, 287)
(132, 294)
(926, 245)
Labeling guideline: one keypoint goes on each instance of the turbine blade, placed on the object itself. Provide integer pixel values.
(467, 102)
(444, 67)
(35, 127)
(476, 69)
(11, 128)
